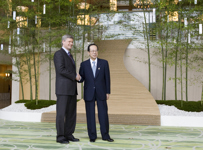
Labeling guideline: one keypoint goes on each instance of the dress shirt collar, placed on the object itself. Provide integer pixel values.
(67, 51)
(94, 61)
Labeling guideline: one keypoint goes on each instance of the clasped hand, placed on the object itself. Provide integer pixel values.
(78, 77)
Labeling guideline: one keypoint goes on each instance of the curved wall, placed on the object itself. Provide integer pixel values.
(135, 61)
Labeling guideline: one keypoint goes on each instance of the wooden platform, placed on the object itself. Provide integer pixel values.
(130, 102)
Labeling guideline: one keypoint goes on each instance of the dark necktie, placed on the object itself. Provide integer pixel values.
(71, 57)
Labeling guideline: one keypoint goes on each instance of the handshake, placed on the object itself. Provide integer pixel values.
(78, 77)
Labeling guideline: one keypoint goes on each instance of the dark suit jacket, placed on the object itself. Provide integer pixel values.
(100, 84)
(65, 74)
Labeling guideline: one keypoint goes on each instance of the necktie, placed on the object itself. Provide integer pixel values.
(71, 57)
(94, 68)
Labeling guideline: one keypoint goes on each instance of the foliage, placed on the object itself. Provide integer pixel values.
(193, 106)
(22, 101)
(33, 39)
(41, 103)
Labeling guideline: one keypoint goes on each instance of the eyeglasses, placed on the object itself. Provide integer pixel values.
(93, 51)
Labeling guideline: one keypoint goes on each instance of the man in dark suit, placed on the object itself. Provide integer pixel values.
(66, 92)
(96, 76)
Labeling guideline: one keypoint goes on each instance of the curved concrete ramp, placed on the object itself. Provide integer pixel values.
(130, 102)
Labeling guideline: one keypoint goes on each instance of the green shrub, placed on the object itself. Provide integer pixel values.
(193, 106)
(22, 101)
(41, 103)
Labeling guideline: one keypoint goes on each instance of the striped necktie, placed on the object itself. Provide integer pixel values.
(71, 57)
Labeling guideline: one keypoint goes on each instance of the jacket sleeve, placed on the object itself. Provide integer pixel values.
(81, 72)
(60, 67)
(107, 78)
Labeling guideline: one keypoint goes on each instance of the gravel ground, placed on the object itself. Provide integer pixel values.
(173, 111)
(164, 110)
(21, 108)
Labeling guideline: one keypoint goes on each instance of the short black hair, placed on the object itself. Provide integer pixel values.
(88, 48)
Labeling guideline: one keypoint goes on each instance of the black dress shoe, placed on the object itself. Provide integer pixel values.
(73, 139)
(63, 142)
(109, 140)
(92, 140)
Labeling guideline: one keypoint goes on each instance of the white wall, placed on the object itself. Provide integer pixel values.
(135, 60)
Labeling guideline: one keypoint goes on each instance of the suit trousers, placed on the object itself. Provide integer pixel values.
(65, 116)
(102, 115)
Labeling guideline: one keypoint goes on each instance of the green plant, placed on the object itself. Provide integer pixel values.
(41, 103)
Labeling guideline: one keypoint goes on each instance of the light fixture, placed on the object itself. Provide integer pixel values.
(22, 9)
(44, 47)
(83, 19)
(83, 5)
(9, 39)
(113, 5)
(200, 28)
(185, 22)
(188, 37)
(27, 21)
(140, 4)
(44, 9)
(154, 15)
(86, 20)
(176, 1)
(7, 74)
(9, 49)
(18, 31)
(14, 15)
(173, 16)
(35, 19)
(22, 21)
(8, 24)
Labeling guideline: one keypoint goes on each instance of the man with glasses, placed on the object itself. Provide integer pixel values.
(96, 76)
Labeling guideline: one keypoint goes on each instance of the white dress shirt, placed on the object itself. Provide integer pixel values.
(67, 51)
(94, 61)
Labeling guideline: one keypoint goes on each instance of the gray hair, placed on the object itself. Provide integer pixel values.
(66, 37)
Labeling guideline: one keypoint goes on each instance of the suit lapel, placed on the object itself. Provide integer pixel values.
(90, 67)
(66, 56)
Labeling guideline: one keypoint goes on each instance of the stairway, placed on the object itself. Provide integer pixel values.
(130, 102)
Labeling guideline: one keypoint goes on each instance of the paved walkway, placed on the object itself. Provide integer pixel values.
(41, 136)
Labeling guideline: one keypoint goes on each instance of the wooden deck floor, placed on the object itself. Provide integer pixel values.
(130, 102)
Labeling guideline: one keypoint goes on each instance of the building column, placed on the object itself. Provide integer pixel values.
(15, 84)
